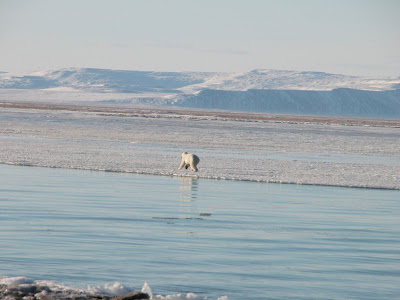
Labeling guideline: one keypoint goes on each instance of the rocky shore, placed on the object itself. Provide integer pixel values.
(32, 291)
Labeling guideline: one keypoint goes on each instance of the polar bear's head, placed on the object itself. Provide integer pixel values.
(184, 153)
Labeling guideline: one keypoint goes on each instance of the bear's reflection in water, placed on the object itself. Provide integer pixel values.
(188, 188)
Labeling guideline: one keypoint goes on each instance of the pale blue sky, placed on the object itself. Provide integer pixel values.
(356, 37)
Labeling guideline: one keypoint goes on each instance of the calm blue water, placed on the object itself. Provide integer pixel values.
(241, 239)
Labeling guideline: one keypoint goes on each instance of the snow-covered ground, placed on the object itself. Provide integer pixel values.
(235, 149)
(273, 91)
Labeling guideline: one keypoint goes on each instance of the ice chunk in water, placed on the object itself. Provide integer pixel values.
(147, 290)
(112, 289)
(15, 281)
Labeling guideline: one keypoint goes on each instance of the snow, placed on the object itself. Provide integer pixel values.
(130, 81)
(258, 90)
(111, 289)
(291, 151)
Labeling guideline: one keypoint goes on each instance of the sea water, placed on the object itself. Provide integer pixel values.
(245, 240)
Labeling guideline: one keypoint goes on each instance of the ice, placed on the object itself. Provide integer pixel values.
(18, 287)
(15, 281)
(146, 289)
(111, 289)
(292, 151)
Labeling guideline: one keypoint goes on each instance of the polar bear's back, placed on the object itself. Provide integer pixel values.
(190, 158)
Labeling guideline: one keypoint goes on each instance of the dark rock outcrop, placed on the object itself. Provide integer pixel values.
(132, 296)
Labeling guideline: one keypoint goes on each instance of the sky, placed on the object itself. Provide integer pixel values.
(353, 37)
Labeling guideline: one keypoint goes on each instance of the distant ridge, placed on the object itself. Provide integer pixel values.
(125, 81)
(258, 90)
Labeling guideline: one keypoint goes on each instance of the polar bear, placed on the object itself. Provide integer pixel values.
(189, 160)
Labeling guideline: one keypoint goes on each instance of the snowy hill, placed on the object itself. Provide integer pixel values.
(101, 80)
(257, 90)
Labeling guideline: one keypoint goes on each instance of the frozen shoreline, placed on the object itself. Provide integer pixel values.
(14, 288)
(298, 150)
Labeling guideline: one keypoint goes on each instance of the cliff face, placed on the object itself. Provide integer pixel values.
(338, 102)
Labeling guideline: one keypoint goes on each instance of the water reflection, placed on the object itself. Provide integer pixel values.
(188, 188)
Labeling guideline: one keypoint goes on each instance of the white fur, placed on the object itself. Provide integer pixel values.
(189, 160)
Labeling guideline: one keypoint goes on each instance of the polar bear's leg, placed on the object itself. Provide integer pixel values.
(183, 161)
(193, 163)
(182, 164)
